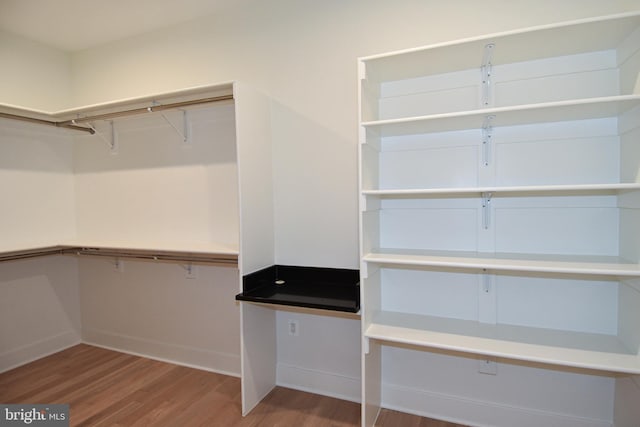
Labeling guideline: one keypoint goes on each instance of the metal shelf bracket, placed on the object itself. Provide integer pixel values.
(190, 270)
(487, 298)
(486, 209)
(487, 134)
(485, 70)
(184, 133)
(112, 141)
(486, 282)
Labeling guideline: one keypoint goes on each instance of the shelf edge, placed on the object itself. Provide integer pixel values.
(210, 258)
(506, 189)
(561, 267)
(497, 110)
(537, 353)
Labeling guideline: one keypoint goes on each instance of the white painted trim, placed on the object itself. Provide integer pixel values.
(318, 382)
(21, 356)
(484, 414)
(191, 357)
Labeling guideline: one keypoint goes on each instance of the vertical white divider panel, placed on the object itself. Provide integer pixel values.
(371, 363)
(258, 325)
(369, 226)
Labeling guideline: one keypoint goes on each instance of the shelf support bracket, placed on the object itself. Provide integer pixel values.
(365, 345)
(184, 133)
(487, 134)
(487, 312)
(486, 209)
(190, 271)
(485, 70)
(111, 142)
(113, 146)
(486, 282)
(362, 71)
(118, 265)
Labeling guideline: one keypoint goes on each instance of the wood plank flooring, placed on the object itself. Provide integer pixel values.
(108, 388)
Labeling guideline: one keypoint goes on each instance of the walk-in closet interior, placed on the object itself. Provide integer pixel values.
(426, 206)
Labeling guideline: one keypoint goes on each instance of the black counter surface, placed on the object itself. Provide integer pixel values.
(311, 287)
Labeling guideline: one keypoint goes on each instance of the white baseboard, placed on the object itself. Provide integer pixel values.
(192, 357)
(318, 382)
(474, 412)
(21, 356)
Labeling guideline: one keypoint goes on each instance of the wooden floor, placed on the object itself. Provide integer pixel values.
(107, 388)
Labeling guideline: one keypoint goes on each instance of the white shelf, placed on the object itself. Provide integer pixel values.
(31, 252)
(186, 247)
(527, 189)
(145, 100)
(590, 108)
(572, 349)
(560, 264)
(131, 106)
(592, 34)
(209, 254)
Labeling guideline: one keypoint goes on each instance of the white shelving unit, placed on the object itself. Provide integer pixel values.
(500, 200)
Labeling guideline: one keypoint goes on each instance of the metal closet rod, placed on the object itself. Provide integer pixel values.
(73, 124)
(46, 122)
(142, 110)
(143, 254)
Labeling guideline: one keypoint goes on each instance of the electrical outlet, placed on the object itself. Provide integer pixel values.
(293, 327)
(488, 366)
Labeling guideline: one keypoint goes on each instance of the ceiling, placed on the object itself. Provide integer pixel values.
(72, 25)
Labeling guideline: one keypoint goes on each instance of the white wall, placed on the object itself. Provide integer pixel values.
(324, 357)
(39, 302)
(37, 191)
(627, 410)
(39, 308)
(157, 191)
(153, 309)
(33, 75)
(447, 385)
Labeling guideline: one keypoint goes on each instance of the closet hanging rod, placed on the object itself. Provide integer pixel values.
(66, 125)
(150, 109)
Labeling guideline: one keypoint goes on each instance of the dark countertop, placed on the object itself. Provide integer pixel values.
(311, 287)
